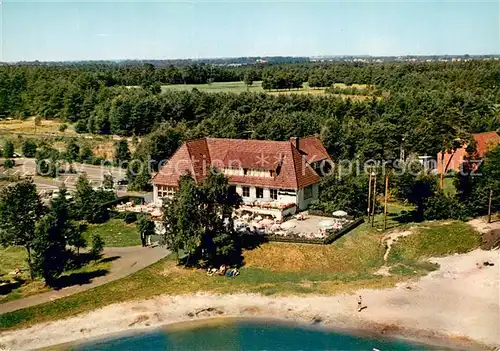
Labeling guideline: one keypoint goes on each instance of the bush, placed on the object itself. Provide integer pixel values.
(28, 148)
(97, 246)
(97, 161)
(8, 149)
(63, 127)
(9, 163)
(81, 126)
(441, 206)
(130, 217)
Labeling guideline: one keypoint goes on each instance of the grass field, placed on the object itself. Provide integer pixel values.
(28, 126)
(217, 87)
(435, 239)
(276, 268)
(256, 87)
(115, 233)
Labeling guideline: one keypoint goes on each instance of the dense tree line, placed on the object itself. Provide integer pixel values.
(421, 103)
(476, 190)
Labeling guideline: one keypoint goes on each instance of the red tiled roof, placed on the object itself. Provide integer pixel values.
(485, 141)
(312, 148)
(291, 171)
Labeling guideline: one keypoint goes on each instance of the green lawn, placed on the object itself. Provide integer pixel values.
(408, 255)
(115, 233)
(434, 239)
(217, 87)
(20, 286)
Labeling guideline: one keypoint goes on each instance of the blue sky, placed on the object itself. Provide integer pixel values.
(79, 30)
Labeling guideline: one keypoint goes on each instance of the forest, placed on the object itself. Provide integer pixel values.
(420, 107)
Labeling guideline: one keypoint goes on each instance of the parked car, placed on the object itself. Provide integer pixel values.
(123, 181)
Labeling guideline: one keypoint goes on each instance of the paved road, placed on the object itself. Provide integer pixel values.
(131, 259)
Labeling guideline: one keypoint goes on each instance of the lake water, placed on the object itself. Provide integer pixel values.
(244, 335)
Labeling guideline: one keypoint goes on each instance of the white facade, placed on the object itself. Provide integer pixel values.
(302, 198)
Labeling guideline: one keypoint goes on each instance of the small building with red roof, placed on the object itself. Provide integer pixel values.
(261, 171)
(453, 159)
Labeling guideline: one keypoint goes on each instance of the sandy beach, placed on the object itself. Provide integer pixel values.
(457, 304)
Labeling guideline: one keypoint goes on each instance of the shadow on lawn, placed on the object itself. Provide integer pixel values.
(81, 278)
(247, 241)
(78, 278)
(85, 258)
(394, 220)
(10, 285)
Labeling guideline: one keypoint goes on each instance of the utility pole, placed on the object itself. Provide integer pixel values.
(386, 196)
(374, 197)
(489, 206)
(369, 194)
(442, 166)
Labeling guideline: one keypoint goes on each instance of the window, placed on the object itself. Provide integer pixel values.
(308, 192)
(274, 194)
(246, 191)
(260, 193)
(245, 171)
(164, 191)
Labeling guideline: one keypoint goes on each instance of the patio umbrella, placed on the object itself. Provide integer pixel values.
(275, 227)
(287, 225)
(326, 224)
(256, 224)
(266, 222)
(156, 213)
(339, 213)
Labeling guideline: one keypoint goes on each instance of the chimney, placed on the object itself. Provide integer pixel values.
(297, 142)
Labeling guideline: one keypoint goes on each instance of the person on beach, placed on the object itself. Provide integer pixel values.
(359, 303)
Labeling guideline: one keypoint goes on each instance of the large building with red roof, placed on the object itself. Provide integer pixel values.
(453, 159)
(262, 171)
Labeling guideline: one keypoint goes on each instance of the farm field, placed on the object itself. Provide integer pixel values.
(256, 87)
(217, 87)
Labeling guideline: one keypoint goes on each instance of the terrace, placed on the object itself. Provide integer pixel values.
(275, 209)
(302, 227)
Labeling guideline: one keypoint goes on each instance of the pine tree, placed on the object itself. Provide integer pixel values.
(20, 209)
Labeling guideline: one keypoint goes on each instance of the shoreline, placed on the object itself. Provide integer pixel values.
(456, 306)
(375, 332)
